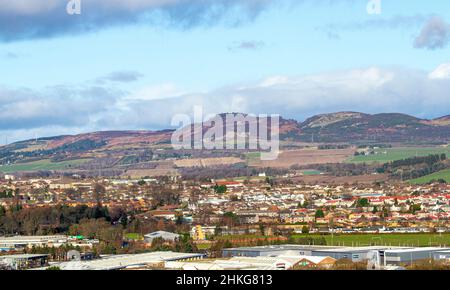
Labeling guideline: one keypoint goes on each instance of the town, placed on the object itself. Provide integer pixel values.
(50, 218)
(224, 143)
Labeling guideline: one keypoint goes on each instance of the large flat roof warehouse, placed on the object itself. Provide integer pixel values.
(285, 248)
(442, 255)
(238, 263)
(409, 256)
(444, 251)
(358, 249)
(281, 247)
(411, 250)
(356, 254)
(30, 239)
(269, 250)
(315, 248)
(249, 263)
(127, 261)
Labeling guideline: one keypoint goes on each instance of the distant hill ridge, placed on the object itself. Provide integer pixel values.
(332, 127)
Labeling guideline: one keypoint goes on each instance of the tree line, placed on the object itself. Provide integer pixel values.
(415, 167)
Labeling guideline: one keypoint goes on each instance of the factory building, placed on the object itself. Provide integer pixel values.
(442, 256)
(20, 242)
(131, 261)
(355, 254)
(384, 256)
(272, 251)
(396, 257)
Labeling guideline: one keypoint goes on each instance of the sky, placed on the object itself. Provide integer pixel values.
(134, 64)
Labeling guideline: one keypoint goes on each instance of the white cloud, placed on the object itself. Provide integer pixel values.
(371, 90)
(442, 72)
(28, 7)
(160, 91)
(275, 80)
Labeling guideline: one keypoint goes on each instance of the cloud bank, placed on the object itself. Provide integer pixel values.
(69, 110)
(28, 19)
(31, 19)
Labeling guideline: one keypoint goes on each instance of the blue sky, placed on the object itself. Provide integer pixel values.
(134, 70)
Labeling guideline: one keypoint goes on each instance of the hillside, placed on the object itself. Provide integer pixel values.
(442, 121)
(389, 128)
(134, 149)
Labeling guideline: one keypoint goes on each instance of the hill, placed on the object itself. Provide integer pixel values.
(388, 127)
(135, 149)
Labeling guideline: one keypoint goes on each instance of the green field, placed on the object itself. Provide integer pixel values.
(134, 236)
(416, 240)
(204, 246)
(45, 164)
(392, 154)
(444, 174)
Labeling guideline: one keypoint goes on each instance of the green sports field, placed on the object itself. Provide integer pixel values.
(416, 240)
(41, 165)
(444, 174)
(392, 154)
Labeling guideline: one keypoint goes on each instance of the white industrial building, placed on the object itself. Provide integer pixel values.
(253, 263)
(19, 242)
(380, 256)
(442, 256)
(396, 257)
(117, 262)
